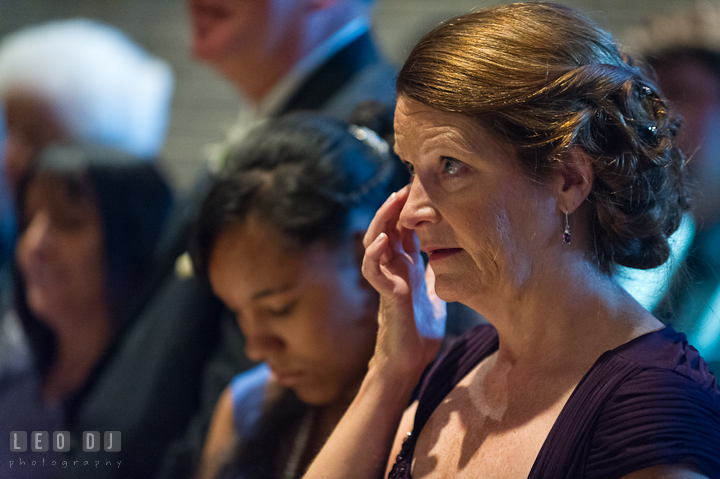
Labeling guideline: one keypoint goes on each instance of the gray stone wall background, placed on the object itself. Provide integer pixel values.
(205, 106)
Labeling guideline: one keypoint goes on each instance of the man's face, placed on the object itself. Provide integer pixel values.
(242, 30)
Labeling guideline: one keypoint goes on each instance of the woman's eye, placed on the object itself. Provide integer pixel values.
(451, 166)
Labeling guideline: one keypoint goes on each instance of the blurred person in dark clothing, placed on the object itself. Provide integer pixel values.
(286, 55)
(90, 220)
(684, 50)
(690, 77)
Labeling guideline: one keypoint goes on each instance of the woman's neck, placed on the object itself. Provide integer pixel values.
(80, 344)
(576, 314)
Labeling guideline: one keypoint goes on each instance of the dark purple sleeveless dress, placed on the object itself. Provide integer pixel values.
(649, 402)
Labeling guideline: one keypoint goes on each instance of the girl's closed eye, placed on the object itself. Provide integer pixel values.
(283, 310)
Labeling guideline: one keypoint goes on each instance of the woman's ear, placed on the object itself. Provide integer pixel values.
(575, 179)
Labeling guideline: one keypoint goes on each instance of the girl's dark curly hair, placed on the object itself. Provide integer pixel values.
(307, 176)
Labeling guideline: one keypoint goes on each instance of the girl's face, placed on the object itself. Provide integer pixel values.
(309, 315)
(60, 252)
(485, 227)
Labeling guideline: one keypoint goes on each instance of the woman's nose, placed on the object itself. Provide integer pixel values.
(418, 208)
(261, 344)
(37, 237)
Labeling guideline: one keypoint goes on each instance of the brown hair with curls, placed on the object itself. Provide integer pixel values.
(543, 78)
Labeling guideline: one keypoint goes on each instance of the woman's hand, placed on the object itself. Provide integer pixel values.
(411, 317)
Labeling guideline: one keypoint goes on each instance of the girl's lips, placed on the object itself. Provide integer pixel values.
(287, 379)
(441, 253)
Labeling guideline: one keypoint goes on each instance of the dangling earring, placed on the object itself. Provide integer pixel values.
(566, 233)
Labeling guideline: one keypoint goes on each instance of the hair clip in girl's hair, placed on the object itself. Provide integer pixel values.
(649, 134)
(645, 91)
(370, 138)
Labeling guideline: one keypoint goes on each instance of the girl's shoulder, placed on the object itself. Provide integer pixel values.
(248, 391)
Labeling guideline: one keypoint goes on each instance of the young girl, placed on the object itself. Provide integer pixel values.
(280, 239)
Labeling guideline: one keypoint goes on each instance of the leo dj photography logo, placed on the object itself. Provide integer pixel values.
(40, 442)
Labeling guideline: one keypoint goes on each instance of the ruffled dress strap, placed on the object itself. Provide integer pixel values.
(466, 353)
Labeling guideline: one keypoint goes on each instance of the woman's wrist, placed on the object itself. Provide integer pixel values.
(385, 373)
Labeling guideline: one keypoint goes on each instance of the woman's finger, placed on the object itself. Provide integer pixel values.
(372, 268)
(386, 217)
(430, 281)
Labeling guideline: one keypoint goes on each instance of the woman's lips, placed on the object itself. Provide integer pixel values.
(442, 253)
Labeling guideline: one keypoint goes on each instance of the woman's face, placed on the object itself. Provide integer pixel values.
(485, 226)
(31, 125)
(309, 315)
(60, 252)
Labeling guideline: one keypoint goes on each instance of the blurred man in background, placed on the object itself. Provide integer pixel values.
(286, 55)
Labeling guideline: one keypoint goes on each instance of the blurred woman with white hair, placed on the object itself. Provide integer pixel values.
(74, 80)
(80, 80)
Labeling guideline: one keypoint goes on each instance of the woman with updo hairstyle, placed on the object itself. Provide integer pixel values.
(542, 158)
(280, 239)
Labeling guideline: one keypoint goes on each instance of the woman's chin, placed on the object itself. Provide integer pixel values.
(453, 288)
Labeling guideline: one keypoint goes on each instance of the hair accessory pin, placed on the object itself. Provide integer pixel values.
(370, 138)
(649, 133)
